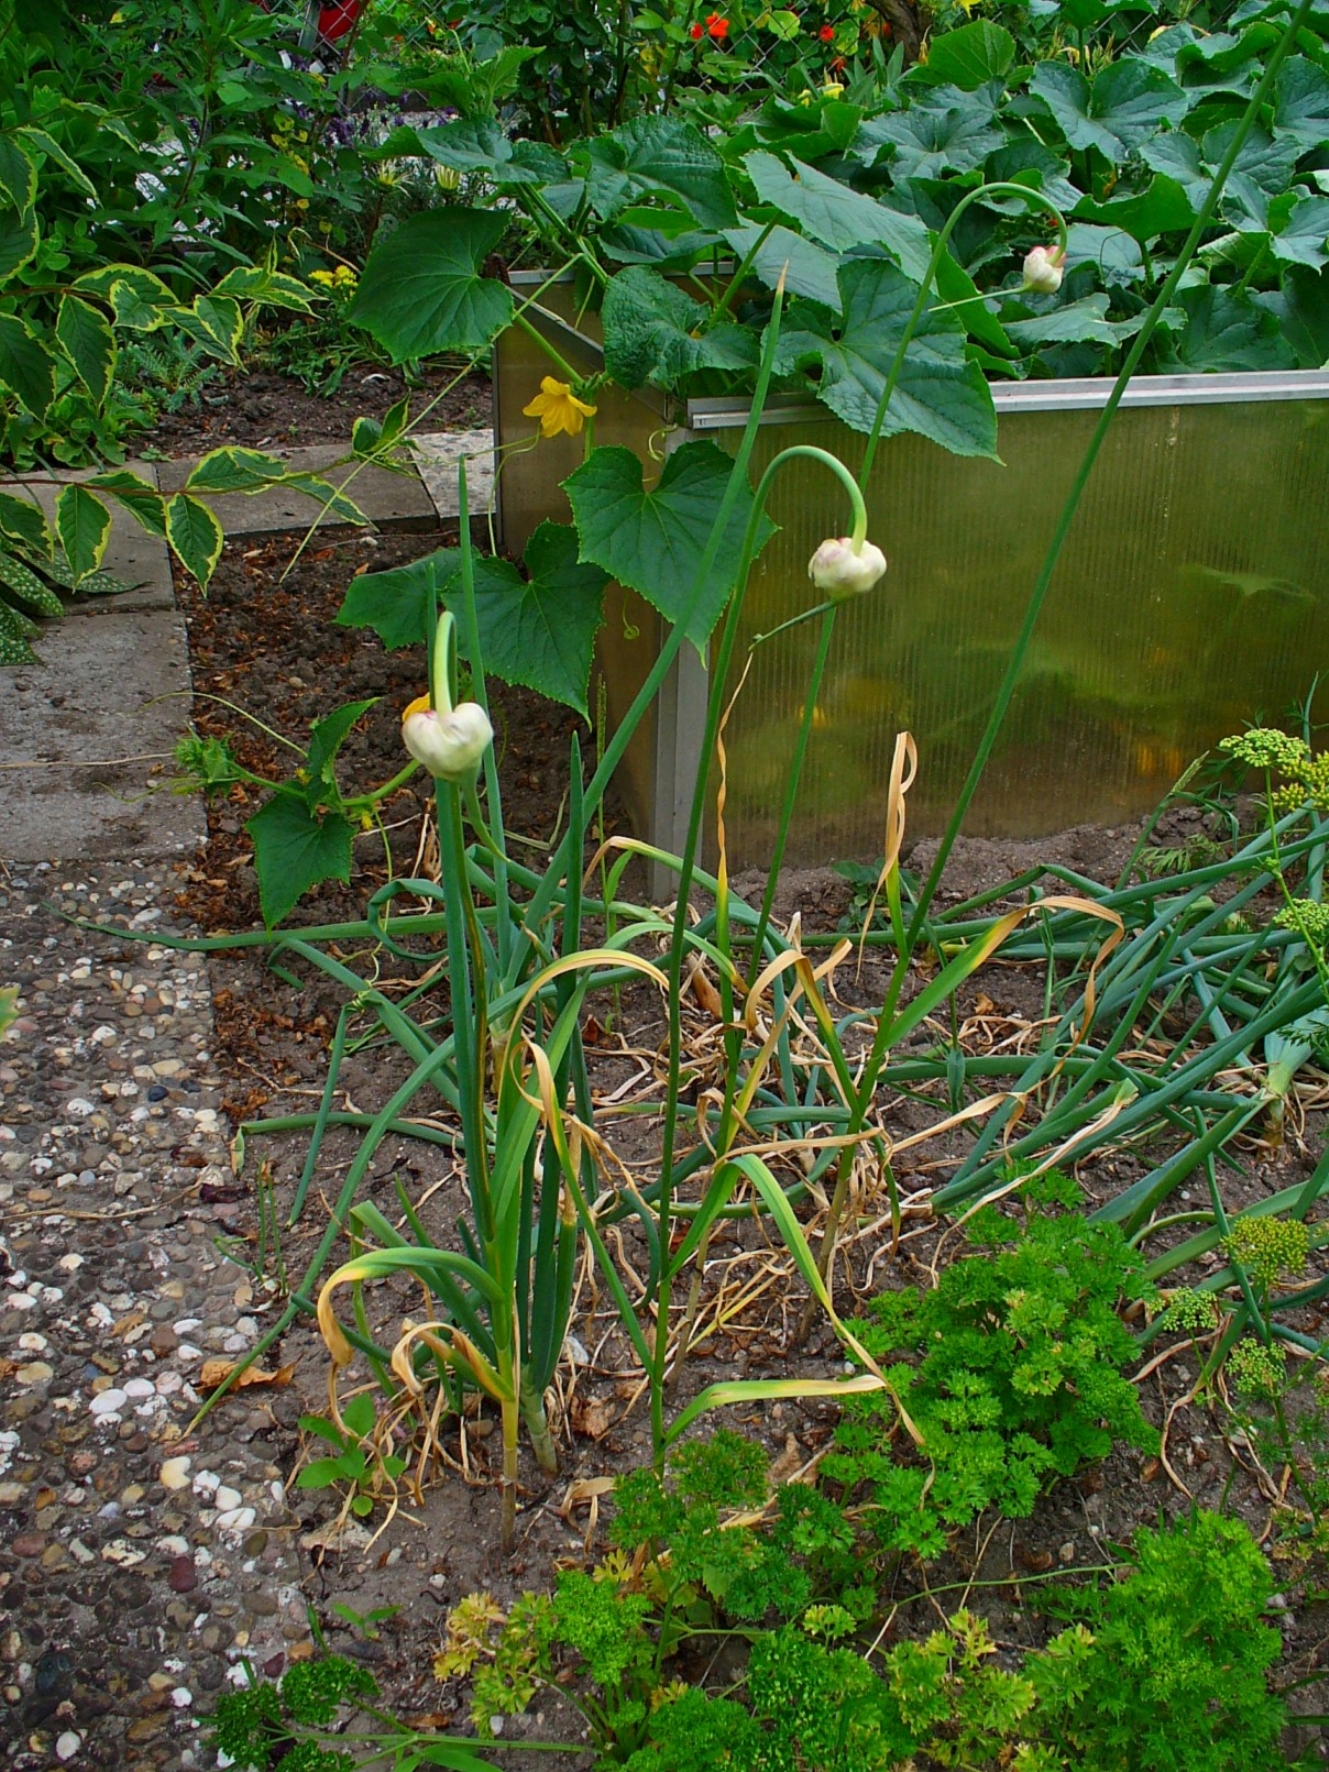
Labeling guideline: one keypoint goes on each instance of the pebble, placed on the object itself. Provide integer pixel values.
(106, 1537)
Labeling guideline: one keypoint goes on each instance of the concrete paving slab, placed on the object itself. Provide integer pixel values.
(133, 555)
(437, 454)
(84, 734)
(390, 501)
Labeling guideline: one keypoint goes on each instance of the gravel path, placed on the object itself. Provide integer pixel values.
(139, 1561)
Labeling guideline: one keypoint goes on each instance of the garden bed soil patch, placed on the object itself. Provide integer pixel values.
(262, 409)
(263, 640)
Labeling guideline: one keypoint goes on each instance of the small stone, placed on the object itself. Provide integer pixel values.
(28, 1544)
(108, 1402)
(138, 1388)
(238, 1519)
(174, 1474)
(67, 1745)
(183, 1578)
(227, 1498)
(35, 1372)
(80, 1552)
(182, 1698)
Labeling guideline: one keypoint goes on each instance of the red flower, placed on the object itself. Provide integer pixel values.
(718, 27)
(696, 33)
(827, 33)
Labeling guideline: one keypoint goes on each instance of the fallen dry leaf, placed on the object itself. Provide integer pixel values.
(585, 1492)
(792, 1459)
(704, 991)
(216, 1372)
(1038, 1561)
(592, 1416)
(337, 1536)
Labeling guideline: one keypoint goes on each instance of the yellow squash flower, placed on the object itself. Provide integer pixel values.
(558, 409)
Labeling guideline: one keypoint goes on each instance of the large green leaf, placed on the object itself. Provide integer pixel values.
(85, 337)
(1226, 331)
(325, 740)
(1266, 159)
(971, 56)
(1075, 322)
(1302, 310)
(1165, 208)
(18, 176)
(1245, 205)
(423, 291)
(1178, 156)
(483, 147)
(14, 632)
(294, 849)
(216, 323)
(945, 130)
(395, 604)
(1301, 102)
(83, 524)
(1027, 162)
(653, 332)
(138, 496)
(957, 291)
(46, 144)
(1113, 253)
(1125, 105)
(146, 284)
(1302, 240)
(654, 541)
(807, 269)
(35, 596)
(539, 631)
(940, 395)
(235, 469)
(21, 519)
(27, 368)
(838, 217)
(18, 241)
(650, 155)
(137, 312)
(195, 535)
(266, 285)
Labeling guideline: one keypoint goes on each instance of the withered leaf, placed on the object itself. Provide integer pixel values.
(216, 1372)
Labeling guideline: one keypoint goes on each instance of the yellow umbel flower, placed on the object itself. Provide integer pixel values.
(558, 409)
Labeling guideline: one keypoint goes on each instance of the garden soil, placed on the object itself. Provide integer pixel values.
(264, 645)
(262, 409)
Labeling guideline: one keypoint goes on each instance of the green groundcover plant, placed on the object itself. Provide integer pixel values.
(1016, 1377)
(1164, 1668)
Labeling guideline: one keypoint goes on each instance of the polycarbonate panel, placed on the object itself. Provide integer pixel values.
(1191, 597)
